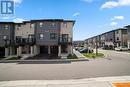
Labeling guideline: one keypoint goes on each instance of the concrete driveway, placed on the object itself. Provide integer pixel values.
(116, 64)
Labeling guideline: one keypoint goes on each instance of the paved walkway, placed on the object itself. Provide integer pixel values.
(78, 54)
(90, 82)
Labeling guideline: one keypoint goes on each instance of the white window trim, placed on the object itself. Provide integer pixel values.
(41, 36)
(6, 26)
(41, 24)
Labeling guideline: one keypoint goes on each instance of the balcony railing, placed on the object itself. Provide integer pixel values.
(65, 40)
(24, 41)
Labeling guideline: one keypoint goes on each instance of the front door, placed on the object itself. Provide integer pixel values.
(54, 50)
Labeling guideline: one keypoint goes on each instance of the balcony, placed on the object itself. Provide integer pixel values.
(65, 40)
(25, 41)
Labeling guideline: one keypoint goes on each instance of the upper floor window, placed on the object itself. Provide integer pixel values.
(53, 24)
(30, 37)
(124, 31)
(65, 25)
(6, 26)
(32, 26)
(65, 37)
(41, 24)
(19, 25)
(117, 32)
(41, 36)
(53, 35)
(4, 37)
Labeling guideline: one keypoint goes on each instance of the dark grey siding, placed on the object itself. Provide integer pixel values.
(129, 34)
(110, 36)
(6, 32)
(46, 29)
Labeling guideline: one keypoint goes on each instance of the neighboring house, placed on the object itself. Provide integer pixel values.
(121, 37)
(78, 43)
(7, 38)
(109, 40)
(46, 36)
(128, 31)
(90, 42)
(86, 43)
(102, 40)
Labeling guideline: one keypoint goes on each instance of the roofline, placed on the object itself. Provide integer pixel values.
(8, 22)
(53, 20)
(29, 21)
(107, 32)
(127, 26)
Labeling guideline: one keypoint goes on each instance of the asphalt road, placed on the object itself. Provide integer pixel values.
(116, 64)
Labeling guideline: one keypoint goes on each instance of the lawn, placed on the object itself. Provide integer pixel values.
(93, 55)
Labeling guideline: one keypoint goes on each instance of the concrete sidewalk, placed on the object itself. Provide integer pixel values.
(78, 54)
(90, 82)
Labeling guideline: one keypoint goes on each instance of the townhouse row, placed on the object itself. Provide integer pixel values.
(43, 36)
(110, 39)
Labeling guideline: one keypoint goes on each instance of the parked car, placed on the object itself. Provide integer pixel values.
(86, 50)
(121, 48)
(78, 48)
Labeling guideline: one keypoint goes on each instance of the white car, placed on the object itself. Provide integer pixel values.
(121, 48)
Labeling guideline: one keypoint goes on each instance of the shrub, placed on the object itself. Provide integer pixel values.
(70, 56)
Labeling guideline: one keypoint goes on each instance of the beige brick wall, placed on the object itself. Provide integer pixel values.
(68, 30)
(24, 30)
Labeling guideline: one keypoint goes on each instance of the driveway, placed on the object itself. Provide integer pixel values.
(116, 64)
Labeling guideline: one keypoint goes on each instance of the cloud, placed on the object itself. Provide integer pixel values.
(113, 23)
(118, 18)
(110, 4)
(113, 4)
(76, 14)
(18, 20)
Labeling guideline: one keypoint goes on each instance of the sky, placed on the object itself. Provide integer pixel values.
(92, 17)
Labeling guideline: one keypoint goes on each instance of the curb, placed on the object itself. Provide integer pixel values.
(44, 61)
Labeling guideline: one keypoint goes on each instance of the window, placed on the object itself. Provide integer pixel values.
(53, 24)
(117, 38)
(65, 25)
(41, 24)
(124, 31)
(41, 36)
(32, 26)
(53, 36)
(117, 32)
(65, 37)
(6, 26)
(4, 37)
(18, 26)
(31, 38)
(18, 39)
